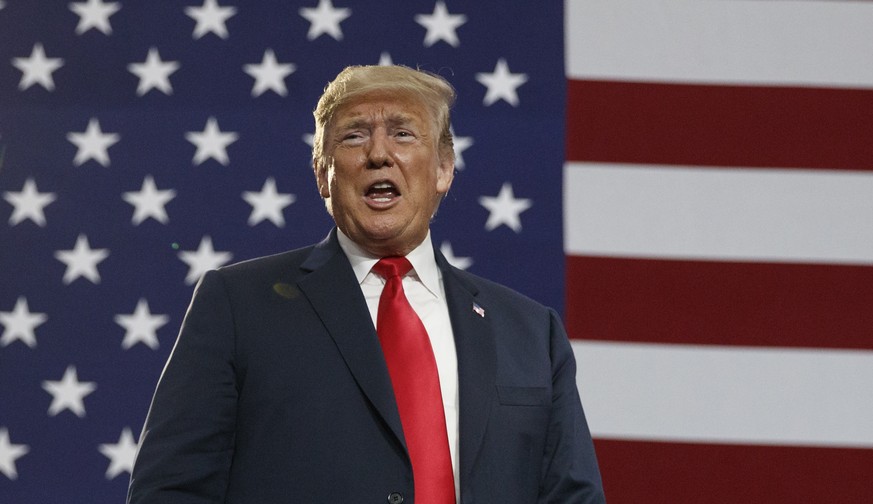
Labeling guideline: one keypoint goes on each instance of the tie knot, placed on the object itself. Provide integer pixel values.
(389, 267)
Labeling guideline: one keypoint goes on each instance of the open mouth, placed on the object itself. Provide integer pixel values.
(382, 192)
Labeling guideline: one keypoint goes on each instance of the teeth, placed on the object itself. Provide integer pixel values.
(382, 192)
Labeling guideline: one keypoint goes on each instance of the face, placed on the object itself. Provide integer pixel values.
(383, 177)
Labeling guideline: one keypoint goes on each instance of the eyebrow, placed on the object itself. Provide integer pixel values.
(397, 119)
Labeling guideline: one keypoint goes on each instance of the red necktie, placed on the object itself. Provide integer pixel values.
(416, 383)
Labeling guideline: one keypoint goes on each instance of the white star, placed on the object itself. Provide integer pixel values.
(441, 25)
(385, 59)
(149, 202)
(153, 73)
(505, 208)
(68, 393)
(37, 69)
(2, 4)
(325, 19)
(210, 18)
(501, 84)
(268, 204)
(141, 326)
(203, 260)
(93, 143)
(308, 138)
(94, 14)
(269, 74)
(211, 143)
(121, 454)
(20, 323)
(29, 203)
(460, 145)
(458, 262)
(9, 452)
(81, 261)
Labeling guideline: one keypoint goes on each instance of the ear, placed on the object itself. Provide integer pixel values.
(321, 178)
(445, 175)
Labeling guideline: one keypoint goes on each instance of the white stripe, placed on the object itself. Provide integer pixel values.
(727, 395)
(718, 214)
(740, 41)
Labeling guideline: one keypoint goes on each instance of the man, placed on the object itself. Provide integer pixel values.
(298, 377)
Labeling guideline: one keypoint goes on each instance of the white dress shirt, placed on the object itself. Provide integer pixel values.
(424, 289)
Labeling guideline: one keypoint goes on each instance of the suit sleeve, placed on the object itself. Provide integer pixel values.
(569, 469)
(187, 443)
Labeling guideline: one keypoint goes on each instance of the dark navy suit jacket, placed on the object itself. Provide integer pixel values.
(277, 392)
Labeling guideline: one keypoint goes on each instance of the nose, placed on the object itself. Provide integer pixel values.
(379, 153)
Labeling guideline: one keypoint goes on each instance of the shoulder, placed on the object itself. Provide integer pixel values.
(248, 288)
(285, 266)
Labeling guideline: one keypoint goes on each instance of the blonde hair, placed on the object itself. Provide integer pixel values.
(435, 92)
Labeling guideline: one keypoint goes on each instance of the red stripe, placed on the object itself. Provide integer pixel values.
(628, 122)
(654, 473)
(698, 302)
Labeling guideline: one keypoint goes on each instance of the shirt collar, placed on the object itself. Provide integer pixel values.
(422, 259)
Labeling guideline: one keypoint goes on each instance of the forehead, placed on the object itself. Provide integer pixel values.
(383, 106)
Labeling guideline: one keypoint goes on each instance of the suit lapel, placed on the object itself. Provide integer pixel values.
(477, 363)
(327, 289)
(344, 313)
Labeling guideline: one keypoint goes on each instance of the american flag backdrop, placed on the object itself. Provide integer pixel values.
(688, 182)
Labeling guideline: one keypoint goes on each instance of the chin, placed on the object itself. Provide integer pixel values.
(392, 242)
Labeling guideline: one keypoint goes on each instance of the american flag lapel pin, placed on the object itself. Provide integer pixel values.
(479, 310)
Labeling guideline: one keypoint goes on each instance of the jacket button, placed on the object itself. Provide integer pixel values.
(395, 498)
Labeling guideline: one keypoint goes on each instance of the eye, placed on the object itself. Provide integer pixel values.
(353, 138)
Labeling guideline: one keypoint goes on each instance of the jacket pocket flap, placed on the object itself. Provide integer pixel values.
(523, 396)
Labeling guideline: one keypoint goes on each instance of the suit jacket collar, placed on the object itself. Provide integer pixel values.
(477, 362)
